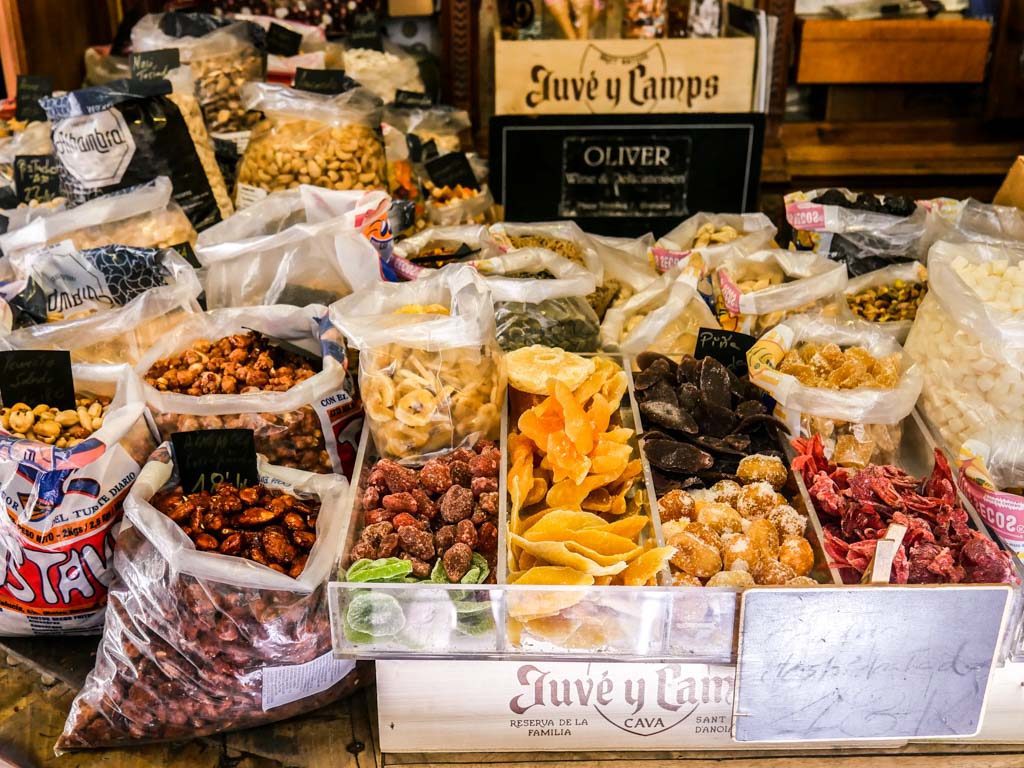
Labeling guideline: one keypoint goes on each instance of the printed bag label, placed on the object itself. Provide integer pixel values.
(95, 149)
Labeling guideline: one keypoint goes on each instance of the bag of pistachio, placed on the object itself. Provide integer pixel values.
(311, 138)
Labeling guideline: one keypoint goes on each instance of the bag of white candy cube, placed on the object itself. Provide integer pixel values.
(969, 339)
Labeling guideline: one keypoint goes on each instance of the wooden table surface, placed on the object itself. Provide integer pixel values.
(34, 703)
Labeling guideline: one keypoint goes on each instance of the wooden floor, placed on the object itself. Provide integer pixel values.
(34, 703)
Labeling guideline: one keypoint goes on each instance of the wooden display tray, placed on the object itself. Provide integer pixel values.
(940, 50)
(551, 77)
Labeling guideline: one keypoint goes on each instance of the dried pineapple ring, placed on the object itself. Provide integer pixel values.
(531, 368)
(416, 409)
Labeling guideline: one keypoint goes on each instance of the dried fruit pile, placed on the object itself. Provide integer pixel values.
(573, 517)
(699, 421)
(828, 366)
(857, 508)
(887, 303)
(436, 517)
(257, 523)
(737, 534)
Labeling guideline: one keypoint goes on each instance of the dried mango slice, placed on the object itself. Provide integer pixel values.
(644, 569)
(598, 500)
(565, 460)
(610, 458)
(615, 388)
(630, 527)
(556, 629)
(600, 415)
(538, 603)
(558, 553)
(541, 421)
(559, 524)
(526, 523)
(537, 491)
(618, 435)
(606, 561)
(577, 425)
(604, 369)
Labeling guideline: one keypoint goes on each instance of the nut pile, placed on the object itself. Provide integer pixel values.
(153, 229)
(243, 362)
(286, 152)
(260, 524)
(46, 424)
(446, 510)
(738, 534)
(219, 80)
(709, 234)
(193, 117)
(887, 303)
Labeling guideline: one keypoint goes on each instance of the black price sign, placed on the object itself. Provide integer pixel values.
(154, 65)
(36, 177)
(330, 82)
(187, 252)
(366, 32)
(727, 347)
(451, 170)
(207, 457)
(35, 376)
(616, 174)
(282, 41)
(412, 100)
(31, 88)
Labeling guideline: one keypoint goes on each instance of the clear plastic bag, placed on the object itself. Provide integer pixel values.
(754, 292)
(221, 55)
(910, 277)
(55, 572)
(970, 349)
(311, 54)
(313, 426)
(471, 206)
(102, 66)
(384, 72)
(304, 263)
(431, 373)
(445, 126)
(143, 217)
(145, 135)
(541, 298)
(664, 317)
(311, 138)
(970, 221)
(196, 642)
(105, 305)
(432, 248)
(991, 475)
(713, 235)
(859, 425)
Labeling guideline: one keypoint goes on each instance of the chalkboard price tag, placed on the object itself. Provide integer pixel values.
(366, 32)
(727, 347)
(330, 82)
(35, 376)
(428, 148)
(36, 177)
(451, 170)
(31, 88)
(282, 41)
(412, 100)
(187, 252)
(154, 65)
(207, 457)
(867, 662)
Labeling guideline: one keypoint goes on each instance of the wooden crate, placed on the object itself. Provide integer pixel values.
(940, 50)
(559, 77)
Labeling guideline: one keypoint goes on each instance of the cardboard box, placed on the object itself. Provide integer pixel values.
(1012, 190)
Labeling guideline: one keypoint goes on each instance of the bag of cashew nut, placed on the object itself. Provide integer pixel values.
(144, 217)
(277, 370)
(221, 54)
(217, 616)
(105, 305)
(64, 475)
(129, 132)
(713, 235)
(311, 138)
(431, 374)
(307, 245)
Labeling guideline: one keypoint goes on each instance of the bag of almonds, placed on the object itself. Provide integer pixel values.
(314, 260)
(277, 370)
(311, 138)
(713, 235)
(218, 614)
(104, 305)
(64, 475)
(222, 56)
(144, 216)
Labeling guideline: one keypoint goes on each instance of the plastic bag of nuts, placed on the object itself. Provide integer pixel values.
(235, 368)
(889, 297)
(322, 255)
(433, 248)
(144, 216)
(431, 373)
(105, 305)
(713, 235)
(311, 138)
(222, 55)
(56, 571)
(199, 642)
